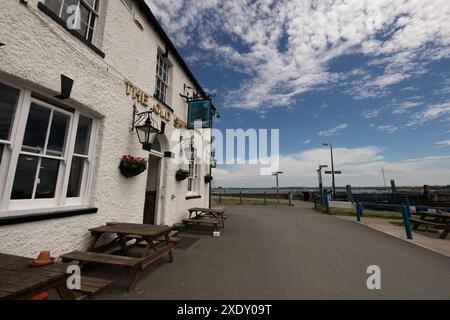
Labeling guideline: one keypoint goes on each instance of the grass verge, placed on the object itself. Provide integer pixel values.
(367, 213)
(246, 202)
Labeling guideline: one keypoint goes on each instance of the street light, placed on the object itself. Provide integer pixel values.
(276, 174)
(320, 178)
(332, 167)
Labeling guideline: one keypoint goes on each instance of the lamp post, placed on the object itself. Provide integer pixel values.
(332, 167)
(276, 174)
(320, 179)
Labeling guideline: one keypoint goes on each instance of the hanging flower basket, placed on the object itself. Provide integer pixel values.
(132, 166)
(182, 175)
(208, 178)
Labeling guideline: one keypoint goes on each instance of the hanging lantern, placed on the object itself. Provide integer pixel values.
(147, 131)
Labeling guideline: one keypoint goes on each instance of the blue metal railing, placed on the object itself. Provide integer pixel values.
(405, 209)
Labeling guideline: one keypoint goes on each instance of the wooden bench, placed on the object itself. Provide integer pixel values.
(214, 222)
(91, 287)
(439, 226)
(101, 258)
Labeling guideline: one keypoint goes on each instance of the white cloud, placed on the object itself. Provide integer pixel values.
(430, 113)
(334, 131)
(405, 107)
(388, 128)
(445, 143)
(360, 167)
(308, 141)
(370, 114)
(285, 48)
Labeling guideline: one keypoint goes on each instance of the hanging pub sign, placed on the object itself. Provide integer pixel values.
(200, 111)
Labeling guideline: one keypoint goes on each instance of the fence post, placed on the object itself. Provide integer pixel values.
(327, 203)
(408, 207)
(240, 197)
(265, 198)
(406, 222)
(290, 199)
(220, 198)
(358, 211)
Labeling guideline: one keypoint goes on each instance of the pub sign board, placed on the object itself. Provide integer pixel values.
(200, 111)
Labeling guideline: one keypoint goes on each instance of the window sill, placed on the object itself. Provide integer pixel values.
(61, 22)
(193, 197)
(163, 103)
(20, 217)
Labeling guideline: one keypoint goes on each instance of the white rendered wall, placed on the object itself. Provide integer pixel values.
(37, 52)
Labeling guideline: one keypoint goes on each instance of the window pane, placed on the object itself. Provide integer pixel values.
(36, 131)
(83, 135)
(58, 134)
(76, 177)
(8, 102)
(48, 176)
(54, 5)
(68, 14)
(91, 3)
(24, 179)
(84, 15)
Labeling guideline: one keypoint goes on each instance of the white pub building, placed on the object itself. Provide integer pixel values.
(74, 103)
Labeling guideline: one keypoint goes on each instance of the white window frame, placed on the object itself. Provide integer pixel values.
(126, 6)
(194, 179)
(162, 64)
(13, 150)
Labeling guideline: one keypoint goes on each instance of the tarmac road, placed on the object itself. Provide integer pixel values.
(289, 253)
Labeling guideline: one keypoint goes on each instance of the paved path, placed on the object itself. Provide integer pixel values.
(290, 253)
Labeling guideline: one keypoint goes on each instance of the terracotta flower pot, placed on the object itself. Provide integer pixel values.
(44, 259)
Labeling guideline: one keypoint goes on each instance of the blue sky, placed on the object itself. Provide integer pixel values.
(371, 77)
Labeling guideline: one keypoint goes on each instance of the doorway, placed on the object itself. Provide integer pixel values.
(153, 189)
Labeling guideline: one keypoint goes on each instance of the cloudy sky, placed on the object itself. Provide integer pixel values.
(372, 77)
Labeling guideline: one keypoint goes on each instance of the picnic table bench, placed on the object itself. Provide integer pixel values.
(124, 231)
(199, 216)
(20, 281)
(439, 221)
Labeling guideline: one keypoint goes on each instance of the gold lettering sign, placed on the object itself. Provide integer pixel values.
(143, 98)
(137, 94)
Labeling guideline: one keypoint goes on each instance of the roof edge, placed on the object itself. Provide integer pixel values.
(162, 33)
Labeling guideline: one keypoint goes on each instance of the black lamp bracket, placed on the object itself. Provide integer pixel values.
(138, 117)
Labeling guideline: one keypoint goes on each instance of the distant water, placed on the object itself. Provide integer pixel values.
(294, 190)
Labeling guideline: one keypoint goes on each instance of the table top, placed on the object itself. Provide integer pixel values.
(435, 215)
(206, 210)
(18, 277)
(145, 230)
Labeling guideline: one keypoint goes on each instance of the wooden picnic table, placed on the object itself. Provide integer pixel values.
(207, 216)
(20, 281)
(124, 232)
(440, 221)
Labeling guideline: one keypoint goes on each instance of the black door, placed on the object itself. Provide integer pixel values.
(150, 208)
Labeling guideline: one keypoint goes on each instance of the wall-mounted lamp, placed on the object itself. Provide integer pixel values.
(146, 128)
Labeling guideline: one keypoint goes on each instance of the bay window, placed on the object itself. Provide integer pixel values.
(45, 153)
